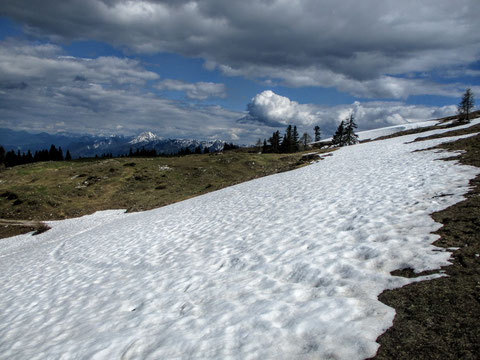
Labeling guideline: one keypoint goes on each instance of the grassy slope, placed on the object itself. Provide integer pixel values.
(58, 190)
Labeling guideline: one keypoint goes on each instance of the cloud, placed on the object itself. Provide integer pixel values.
(43, 90)
(197, 91)
(276, 111)
(367, 48)
(38, 63)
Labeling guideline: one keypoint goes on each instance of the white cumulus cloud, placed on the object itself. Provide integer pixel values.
(276, 111)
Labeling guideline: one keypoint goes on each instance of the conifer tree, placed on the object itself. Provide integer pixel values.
(339, 135)
(295, 140)
(2, 155)
(52, 153)
(68, 157)
(466, 106)
(284, 145)
(350, 138)
(317, 133)
(275, 141)
(11, 159)
(59, 154)
(265, 146)
(28, 157)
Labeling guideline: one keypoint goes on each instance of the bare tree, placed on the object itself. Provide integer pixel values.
(306, 139)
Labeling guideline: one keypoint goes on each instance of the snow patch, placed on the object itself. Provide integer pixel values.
(286, 266)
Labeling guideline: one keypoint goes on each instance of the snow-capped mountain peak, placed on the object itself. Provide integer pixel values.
(145, 137)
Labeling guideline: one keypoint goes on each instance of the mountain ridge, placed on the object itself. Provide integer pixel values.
(91, 145)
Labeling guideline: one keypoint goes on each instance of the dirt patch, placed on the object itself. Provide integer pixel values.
(440, 319)
(15, 227)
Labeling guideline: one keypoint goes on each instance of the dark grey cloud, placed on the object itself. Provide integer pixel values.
(13, 86)
(198, 91)
(368, 48)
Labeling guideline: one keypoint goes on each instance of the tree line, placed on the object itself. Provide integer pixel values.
(12, 158)
(290, 141)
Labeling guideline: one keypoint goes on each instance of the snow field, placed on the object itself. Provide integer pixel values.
(283, 267)
(385, 131)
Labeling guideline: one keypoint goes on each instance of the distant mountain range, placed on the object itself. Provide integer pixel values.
(91, 145)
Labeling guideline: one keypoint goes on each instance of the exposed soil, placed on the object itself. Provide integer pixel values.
(440, 319)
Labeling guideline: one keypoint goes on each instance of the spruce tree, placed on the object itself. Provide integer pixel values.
(275, 141)
(265, 146)
(350, 138)
(59, 154)
(2, 155)
(339, 135)
(317, 133)
(284, 145)
(11, 159)
(28, 157)
(295, 140)
(68, 157)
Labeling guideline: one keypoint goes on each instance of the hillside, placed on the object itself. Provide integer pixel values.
(59, 190)
(285, 266)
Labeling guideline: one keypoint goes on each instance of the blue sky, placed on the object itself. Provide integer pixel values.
(232, 70)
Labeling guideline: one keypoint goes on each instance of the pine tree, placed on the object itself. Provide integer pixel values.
(275, 141)
(11, 159)
(68, 157)
(265, 146)
(317, 133)
(295, 140)
(287, 144)
(339, 135)
(350, 138)
(2, 155)
(59, 154)
(28, 157)
(284, 145)
(466, 106)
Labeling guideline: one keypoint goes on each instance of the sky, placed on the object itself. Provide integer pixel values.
(232, 70)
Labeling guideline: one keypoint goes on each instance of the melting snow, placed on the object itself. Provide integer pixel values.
(287, 266)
